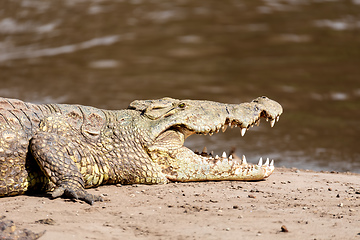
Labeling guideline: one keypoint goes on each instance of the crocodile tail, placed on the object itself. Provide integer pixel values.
(13, 178)
(13, 175)
(17, 122)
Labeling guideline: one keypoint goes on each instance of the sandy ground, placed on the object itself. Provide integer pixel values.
(291, 204)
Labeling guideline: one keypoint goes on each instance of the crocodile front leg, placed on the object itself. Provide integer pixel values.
(52, 153)
(65, 158)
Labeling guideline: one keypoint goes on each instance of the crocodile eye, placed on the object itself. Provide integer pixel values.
(181, 105)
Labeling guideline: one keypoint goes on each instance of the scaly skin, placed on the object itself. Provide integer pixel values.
(64, 149)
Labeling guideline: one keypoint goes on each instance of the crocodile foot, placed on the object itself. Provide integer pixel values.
(74, 192)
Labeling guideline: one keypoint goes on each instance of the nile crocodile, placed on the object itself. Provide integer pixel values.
(64, 149)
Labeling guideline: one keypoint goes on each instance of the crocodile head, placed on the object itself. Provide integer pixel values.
(168, 122)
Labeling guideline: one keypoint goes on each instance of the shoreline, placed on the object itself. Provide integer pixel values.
(290, 204)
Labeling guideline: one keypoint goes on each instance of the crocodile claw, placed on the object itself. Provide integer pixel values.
(78, 194)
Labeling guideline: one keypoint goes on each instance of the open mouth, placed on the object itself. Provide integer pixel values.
(232, 157)
(170, 143)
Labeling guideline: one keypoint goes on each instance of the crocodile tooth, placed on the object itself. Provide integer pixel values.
(277, 118)
(244, 160)
(217, 157)
(224, 128)
(272, 122)
(267, 162)
(267, 119)
(243, 131)
(224, 155)
(204, 150)
(230, 157)
(260, 162)
(272, 163)
(211, 133)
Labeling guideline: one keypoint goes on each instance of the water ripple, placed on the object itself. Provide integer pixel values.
(34, 53)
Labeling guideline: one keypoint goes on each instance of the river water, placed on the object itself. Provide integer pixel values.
(304, 54)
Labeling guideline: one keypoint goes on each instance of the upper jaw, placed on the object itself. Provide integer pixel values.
(205, 117)
(181, 132)
(243, 115)
(244, 125)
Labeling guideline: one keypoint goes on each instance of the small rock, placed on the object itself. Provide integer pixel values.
(284, 229)
(251, 196)
(340, 205)
(48, 221)
(8, 230)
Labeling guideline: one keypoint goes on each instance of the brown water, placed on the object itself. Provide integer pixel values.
(304, 54)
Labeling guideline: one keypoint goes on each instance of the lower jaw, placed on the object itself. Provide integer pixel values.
(185, 165)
